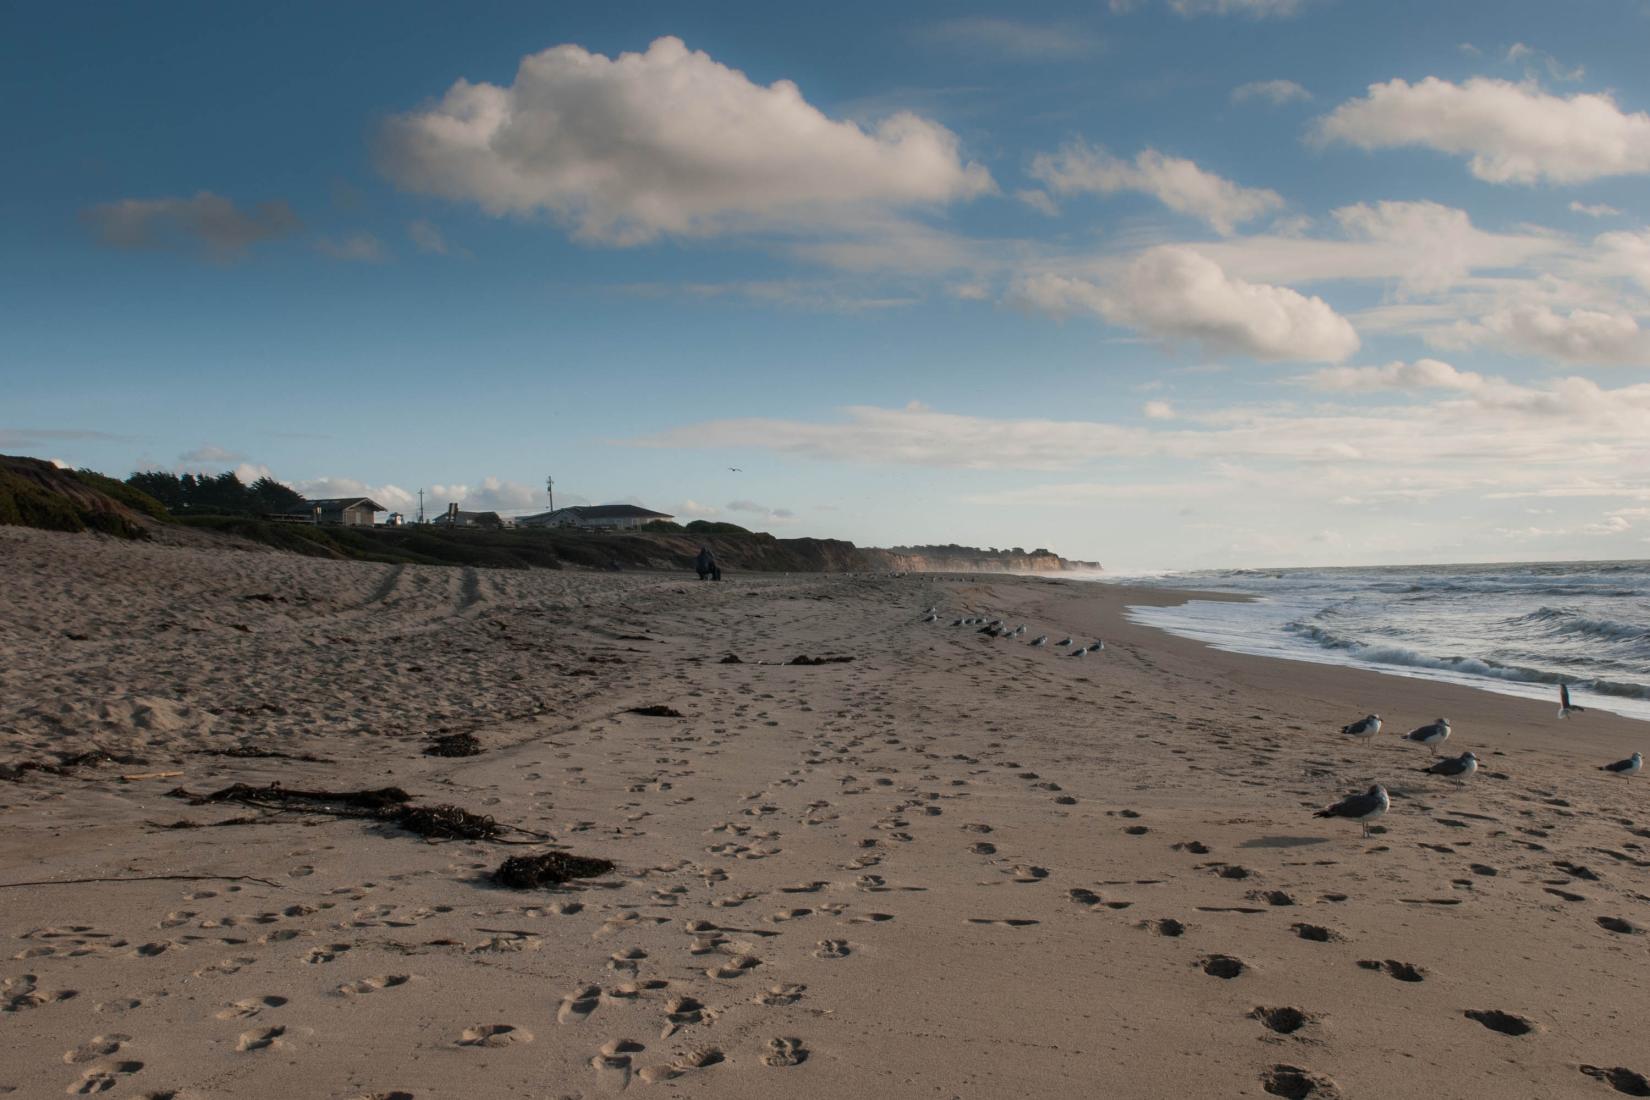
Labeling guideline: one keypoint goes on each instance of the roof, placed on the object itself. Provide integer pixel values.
(327, 504)
(612, 511)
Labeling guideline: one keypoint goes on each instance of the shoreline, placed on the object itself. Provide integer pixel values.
(1596, 703)
(948, 866)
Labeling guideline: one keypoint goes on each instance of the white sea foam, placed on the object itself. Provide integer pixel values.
(1514, 629)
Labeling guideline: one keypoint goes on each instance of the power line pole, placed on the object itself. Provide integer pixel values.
(550, 487)
(421, 507)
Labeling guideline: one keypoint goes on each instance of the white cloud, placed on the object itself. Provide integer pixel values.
(393, 497)
(1594, 209)
(1176, 294)
(807, 294)
(668, 141)
(772, 515)
(426, 236)
(492, 495)
(1623, 254)
(1586, 336)
(206, 221)
(1513, 133)
(1176, 182)
(357, 248)
(1254, 9)
(1039, 200)
(695, 510)
(1013, 38)
(1275, 92)
(1419, 375)
(1159, 410)
(210, 454)
(1440, 244)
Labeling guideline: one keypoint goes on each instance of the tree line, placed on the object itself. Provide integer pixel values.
(221, 494)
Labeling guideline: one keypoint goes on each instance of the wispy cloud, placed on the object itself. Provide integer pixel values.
(202, 222)
(1012, 39)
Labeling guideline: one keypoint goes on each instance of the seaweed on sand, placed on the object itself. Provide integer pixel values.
(549, 869)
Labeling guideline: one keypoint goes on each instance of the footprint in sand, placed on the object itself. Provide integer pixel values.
(612, 1064)
(22, 992)
(1283, 1021)
(579, 1004)
(373, 985)
(1620, 1078)
(682, 1064)
(1294, 1083)
(1502, 1023)
(1164, 926)
(832, 949)
(325, 954)
(249, 1007)
(259, 1039)
(784, 1051)
(494, 1035)
(784, 993)
(1316, 933)
(1222, 966)
(94, 1081)
(735, 967)
(99, 1046)
(1403, 971)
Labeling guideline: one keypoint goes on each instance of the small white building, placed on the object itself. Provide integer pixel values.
(345, 511)
(596, 517)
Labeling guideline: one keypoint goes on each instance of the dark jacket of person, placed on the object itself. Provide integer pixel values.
(706, 561)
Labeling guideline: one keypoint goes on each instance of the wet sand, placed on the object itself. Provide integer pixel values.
(949, 867)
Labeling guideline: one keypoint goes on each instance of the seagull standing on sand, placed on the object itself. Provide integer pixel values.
(1564, 707)
(1362, 808)
(1456, 767)
(1368, 726)
(1431, 735)
(1631, 766)
(1063, 641)
(1095, 647)
(930, 618)
(1078, 652)
(1041, 639)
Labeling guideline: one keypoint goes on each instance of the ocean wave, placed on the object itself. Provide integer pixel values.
(1369, 653)
(1564, 620)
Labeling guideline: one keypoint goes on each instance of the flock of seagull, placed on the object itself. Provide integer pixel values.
(1371, 804)
(1363, 808)
(996, 628)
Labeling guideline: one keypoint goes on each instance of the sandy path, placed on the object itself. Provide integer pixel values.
(951, 867)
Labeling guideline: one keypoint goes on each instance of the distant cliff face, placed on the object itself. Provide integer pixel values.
(966, 559)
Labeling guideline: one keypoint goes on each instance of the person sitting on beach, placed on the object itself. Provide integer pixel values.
(706, 565)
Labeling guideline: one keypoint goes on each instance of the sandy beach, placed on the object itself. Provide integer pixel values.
(948, 867)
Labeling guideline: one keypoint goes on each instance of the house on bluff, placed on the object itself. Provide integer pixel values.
(600, 517)
(336, 511)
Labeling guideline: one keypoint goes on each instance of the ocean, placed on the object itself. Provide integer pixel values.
(1514, 629)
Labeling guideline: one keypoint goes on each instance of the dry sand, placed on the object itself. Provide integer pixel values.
(952, 867)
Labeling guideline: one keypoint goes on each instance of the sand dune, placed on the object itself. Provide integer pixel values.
(952, 866)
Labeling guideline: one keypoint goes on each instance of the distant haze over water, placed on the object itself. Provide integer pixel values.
(1515, 629)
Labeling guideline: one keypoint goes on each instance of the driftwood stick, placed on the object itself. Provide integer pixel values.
(141, 878)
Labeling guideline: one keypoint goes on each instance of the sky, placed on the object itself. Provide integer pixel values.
(1165, 284)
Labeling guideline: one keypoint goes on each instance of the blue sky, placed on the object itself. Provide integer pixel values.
(1164, 283)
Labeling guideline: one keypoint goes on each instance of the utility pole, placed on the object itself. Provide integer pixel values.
(550, 487)
(420, 507)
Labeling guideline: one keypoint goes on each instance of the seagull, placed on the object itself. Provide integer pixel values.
(1456, 767)
(958, 622)
(1095, 647)
(1063, 641)
(1630, 766)
(1077, 652)
(735, 470)
(1564, 707)
(1362, 808)
(1432, 736)
(1367, 726)
(931, 611)
(931, 618)
(1041, 639)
